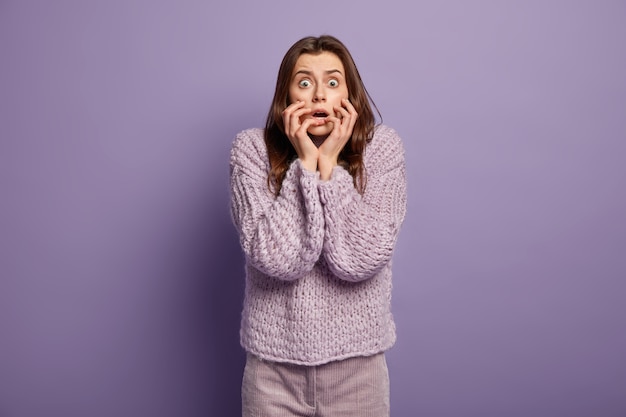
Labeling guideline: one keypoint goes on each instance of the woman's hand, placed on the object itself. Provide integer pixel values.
(339, 136)
(296, 131)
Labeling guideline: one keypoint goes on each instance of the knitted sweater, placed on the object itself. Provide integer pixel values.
(318, 255)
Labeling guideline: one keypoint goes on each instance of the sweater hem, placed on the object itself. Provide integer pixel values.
(270, 358)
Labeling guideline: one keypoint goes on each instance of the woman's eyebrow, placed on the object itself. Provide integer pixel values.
(307, 72)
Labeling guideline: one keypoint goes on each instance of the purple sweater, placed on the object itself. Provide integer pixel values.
(318, 255)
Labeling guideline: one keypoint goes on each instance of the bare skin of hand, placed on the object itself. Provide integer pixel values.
(337, 139)
(325, 158)
(297, 134)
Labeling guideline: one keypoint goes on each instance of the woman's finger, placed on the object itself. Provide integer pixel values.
(291, 118)
(350, 107)
(288, 112)
(353, 115)
(296, 115)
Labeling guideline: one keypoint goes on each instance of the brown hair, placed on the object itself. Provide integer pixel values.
(279, 149)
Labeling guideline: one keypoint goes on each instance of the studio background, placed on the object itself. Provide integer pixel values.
(121, 276)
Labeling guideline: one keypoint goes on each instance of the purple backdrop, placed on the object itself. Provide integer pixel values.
(121, 274)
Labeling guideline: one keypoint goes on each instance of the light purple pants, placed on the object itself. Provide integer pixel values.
(356, 387)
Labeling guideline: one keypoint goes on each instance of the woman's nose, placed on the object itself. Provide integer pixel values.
(319, 95)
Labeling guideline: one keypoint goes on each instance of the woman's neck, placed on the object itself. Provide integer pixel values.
(318, 140)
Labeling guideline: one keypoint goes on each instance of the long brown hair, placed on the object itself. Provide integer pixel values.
(280, 151)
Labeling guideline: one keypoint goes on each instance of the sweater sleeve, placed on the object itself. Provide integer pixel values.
(361, 230)
(282, 235)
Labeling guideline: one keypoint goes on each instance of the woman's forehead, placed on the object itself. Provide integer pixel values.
(324, 61)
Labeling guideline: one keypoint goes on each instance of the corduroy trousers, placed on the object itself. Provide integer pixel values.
(354, 387)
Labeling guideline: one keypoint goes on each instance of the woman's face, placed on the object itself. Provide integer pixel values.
(319, 81)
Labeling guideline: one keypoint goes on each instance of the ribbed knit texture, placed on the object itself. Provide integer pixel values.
(318, 255)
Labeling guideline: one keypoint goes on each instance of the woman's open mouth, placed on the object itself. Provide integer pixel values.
(320, 115)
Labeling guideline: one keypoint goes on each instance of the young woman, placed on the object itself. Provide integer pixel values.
(317, 197)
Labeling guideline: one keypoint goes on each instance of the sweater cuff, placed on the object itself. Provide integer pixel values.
(308, 180)
(301, 181)
(338, 189)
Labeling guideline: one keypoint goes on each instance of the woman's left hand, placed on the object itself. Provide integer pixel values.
(337, 139)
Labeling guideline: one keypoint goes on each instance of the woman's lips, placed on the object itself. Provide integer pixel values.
(319, 113)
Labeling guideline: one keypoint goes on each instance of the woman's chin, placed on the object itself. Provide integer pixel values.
(323, 130)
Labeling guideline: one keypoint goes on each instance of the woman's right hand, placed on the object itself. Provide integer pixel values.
(296, 131)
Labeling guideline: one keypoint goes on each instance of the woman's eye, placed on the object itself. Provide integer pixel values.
(304, 83)
(333, 83)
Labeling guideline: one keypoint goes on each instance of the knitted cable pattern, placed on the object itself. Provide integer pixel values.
(318, 255)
